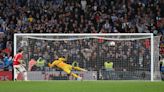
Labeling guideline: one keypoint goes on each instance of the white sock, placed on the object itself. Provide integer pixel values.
(25, 76)
(15, 74)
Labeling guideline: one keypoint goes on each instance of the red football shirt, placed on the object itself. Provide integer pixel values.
(17, 57)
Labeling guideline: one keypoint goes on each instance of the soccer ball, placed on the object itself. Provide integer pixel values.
(112, 43)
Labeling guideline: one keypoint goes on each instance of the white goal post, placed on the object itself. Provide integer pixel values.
(134, 40)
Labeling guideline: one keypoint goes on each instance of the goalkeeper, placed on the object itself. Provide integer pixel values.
(60, 63)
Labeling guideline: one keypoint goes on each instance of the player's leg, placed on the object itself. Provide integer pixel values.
(16, 71)
(76, 76)
(23, 70)
(68, 71)
(79, 69)
(25, 75)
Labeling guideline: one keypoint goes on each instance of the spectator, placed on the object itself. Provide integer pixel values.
(7, 62)
(78, 16)
(31, 64)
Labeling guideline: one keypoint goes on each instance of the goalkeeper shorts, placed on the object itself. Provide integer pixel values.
(67, 69)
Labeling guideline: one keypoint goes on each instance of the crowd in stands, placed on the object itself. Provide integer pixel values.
(78, 16)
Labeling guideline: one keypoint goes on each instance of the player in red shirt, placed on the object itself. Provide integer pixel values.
(18, 65)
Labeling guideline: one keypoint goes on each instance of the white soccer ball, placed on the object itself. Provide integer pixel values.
(112, 43)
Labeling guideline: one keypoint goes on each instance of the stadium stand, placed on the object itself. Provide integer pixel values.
(77, 16)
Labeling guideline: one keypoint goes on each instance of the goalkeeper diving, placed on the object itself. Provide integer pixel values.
(60, 63)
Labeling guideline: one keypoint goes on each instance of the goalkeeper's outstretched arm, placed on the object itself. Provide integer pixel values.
(51, 65)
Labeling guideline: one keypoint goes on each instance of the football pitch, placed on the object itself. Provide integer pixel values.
(81, 86)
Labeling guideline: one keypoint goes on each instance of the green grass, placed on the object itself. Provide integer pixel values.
(81, 86)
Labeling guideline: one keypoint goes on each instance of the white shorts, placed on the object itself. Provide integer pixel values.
(19, 68)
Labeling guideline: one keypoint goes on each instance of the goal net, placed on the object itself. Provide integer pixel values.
(131, 56)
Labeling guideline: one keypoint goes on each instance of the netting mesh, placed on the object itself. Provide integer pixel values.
(131, 54)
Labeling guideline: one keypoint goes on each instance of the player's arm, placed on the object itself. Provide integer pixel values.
(53, 64)
(18, 57)
(50, 65)
(22, 62)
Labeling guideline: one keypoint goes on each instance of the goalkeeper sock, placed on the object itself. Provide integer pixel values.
(79, 78)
